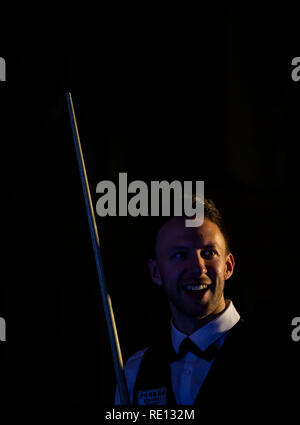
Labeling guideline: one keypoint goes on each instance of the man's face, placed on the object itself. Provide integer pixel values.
(192, 266)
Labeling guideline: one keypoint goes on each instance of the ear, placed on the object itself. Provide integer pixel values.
(229, 266)
(154, 272)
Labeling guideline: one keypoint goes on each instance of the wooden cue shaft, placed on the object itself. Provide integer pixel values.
(108, 310)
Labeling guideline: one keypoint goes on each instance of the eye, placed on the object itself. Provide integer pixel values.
(209, 253)
(179, 255)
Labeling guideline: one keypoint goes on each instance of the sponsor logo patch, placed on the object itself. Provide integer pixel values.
(155, 396)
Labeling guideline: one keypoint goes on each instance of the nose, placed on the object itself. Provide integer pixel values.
(198, 263)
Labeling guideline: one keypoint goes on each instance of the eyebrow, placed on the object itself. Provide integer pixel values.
(209, 245)
(180, 247)
(212, 245)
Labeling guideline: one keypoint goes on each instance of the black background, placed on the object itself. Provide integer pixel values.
(162, 95)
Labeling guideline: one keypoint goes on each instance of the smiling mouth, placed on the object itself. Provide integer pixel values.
(196, 287)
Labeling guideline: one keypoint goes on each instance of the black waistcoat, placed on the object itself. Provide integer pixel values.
(228, 379)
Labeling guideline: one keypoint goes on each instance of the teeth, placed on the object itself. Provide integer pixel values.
(195, 287)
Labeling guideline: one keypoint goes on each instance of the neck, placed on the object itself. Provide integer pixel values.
(189, 325)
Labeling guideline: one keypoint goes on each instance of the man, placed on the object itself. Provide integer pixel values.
(204, 360)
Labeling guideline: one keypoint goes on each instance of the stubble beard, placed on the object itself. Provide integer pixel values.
(204, 310)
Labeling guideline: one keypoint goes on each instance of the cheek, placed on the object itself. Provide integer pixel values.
(217, 270)
(170, 274)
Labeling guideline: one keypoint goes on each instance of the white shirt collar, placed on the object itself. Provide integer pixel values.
(210, 332)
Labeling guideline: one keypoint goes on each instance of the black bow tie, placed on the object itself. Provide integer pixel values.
(188, 345)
